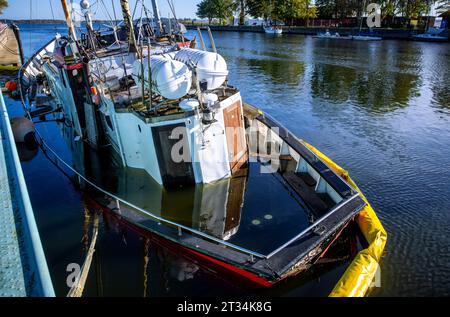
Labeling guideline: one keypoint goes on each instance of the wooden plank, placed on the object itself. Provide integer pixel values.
(237, 145)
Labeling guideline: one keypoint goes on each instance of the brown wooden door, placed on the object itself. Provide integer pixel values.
(237, 145)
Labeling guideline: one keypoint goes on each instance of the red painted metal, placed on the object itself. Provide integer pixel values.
(184, 44)
(74, 66)
(202, 259)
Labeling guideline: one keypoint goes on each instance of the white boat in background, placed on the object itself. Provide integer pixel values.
(328, 35)
(273, 29)
(366, 38)
(362, 36)
(11, 55)
(431, 35)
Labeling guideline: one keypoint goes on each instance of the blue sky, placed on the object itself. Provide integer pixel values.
(41, 9)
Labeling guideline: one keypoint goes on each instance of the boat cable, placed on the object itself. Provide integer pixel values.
(53, 14)
(78, 287)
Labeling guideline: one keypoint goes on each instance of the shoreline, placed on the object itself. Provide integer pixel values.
(394, 34)
(385, 33)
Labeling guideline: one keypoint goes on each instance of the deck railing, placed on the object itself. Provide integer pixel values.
(41, 284)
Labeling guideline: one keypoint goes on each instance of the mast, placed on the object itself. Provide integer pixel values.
(157, 17)
(68, 20)
(128, 25)
(361, 17)
(85, 6)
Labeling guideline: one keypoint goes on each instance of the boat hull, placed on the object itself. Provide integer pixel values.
(332, 37)
(437, 39)
(220, 267)
(366, 38)
(273, 31)
(11, 56)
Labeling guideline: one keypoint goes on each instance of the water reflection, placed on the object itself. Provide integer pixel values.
(26, 153)
(375, 77)
(436, 73)
(279, 71)
(373, 87)
(332, 82)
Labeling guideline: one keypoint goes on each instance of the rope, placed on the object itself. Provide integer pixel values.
(146, 261)
(31, 15)
(172, 8)
(53, 14)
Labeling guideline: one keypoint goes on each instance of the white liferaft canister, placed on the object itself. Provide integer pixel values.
(189, 104)
(210, 99)
(209, 66)
(170, 78)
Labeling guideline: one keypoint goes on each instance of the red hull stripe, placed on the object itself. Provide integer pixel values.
(255, 279)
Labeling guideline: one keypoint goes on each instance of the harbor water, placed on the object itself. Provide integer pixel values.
(379, 109)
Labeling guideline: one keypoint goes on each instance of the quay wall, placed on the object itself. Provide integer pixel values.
(400, 34)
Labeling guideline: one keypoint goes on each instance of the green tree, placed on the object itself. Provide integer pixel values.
(340, 8)
(288, 10)
(241, 6)
(216, 9)
(415, 8)
(412, 8)
(326, 8)
(206, 10)
(303, 9)
(224, 10)
(3, 4)
(259, 8)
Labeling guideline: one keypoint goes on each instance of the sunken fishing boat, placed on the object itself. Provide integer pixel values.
(219, 179)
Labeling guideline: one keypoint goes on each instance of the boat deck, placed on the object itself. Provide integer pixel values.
(23, 268)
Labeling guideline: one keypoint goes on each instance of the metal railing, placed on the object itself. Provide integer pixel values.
(43, 284)
(314, 225)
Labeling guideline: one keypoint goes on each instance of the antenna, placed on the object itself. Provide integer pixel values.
(69, 21)
(157, 17)
(201, 38)
(211, 38)
(129, 25)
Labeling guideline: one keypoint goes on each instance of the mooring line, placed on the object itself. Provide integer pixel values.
(77, 289)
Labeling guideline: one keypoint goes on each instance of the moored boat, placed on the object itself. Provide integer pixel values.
(431, 35)
(329, 35)
(170, 113)
(366, 38)
(11, 55)
(273, 29)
